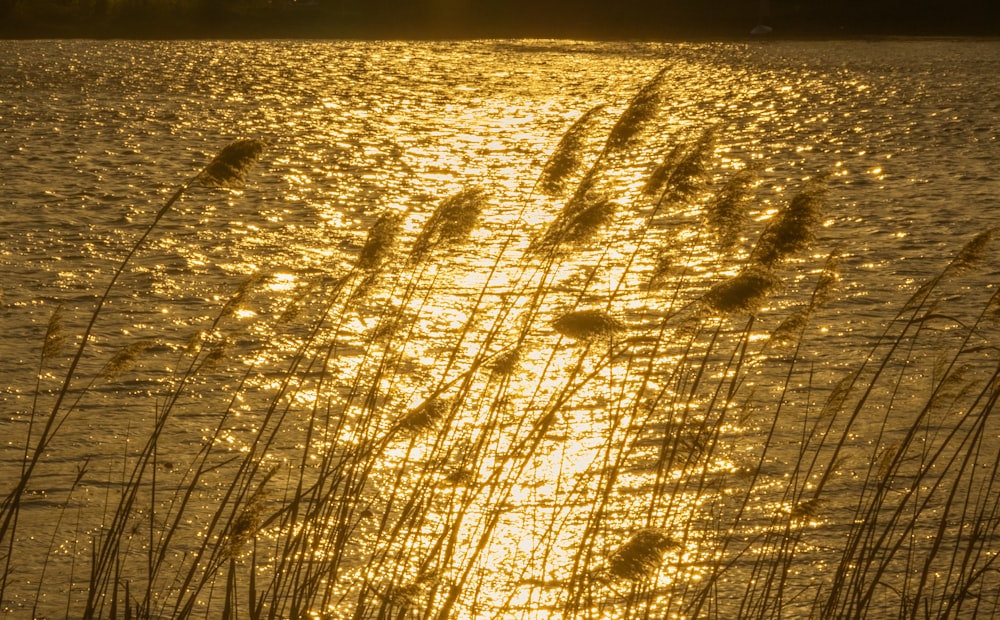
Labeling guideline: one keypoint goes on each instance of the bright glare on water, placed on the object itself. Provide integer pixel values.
(394, 375)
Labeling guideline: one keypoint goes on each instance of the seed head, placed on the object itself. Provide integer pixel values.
(788, 332)
(807, 509)
(452, 221)
(727, 211)
(641, 556)
(566, 158)
(744, 292)
(126, 358)
(640, 111)
(973, 252)
(588, 325)
(687, 177)
(577, 225)
(425, 415)
(381, 240)
(231, 165)
(55, 337)
(793, 228)
(506, 362)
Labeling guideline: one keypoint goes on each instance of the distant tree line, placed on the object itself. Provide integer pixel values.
(110, 7)
(534, 17)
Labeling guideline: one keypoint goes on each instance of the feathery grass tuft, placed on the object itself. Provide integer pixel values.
(246, 525)
(791, 328)
(452, 221)
(643, 107)
(641, 556)
(381, 241)
(971, 253)
(426, 415)
(687, 177)
(236, 301)
(566, 159)
(828, 280)
(808, 509)
(55, 335)
(745, 292)
(793, 228)
(661, 173)
(230, 167)
(126, 358)
(588, 325)
(727, 212)
(788, 331)
(578, 225)
(506, 363)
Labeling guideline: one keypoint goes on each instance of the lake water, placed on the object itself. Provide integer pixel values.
(485, 513)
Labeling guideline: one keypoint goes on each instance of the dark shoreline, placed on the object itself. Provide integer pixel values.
(322, 23)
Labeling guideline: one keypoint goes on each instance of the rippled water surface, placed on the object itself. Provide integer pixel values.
(276, 376)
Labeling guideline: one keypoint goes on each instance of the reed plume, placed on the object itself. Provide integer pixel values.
(588, 325)
(663, 266)
(566, 158)
(641, 109)
(581, 226)
(641, 556)
(451, 223)
(425, 415)
(236, 302)
(381, 241)
(55, 335)
(745, 292)
(506, 362)
(789, 330)
(791, 327)
(245, 526)
(687, 176)
(807, 509)
(727, 211)
(218, 352)
(126, 358)
(230, 167)
(661, 173)
(793, 228)
(971, 253)
(827, 282)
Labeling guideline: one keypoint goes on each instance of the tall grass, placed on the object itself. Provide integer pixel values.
(637, 423)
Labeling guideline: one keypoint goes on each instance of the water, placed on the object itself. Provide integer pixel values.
(97, 135)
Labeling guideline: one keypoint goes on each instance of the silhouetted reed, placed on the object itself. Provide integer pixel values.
(793, 228)
(566, 159)
(641, 556)
(641, 109)
(745, 292)
(577, 225)
(588, 325)
(681, 176)
(450, 223)
(727, 212)
(382, 239)
(230, 167)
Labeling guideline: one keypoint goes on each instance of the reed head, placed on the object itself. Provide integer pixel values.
(744, 292)
(588, 325)
(641, 556)
(230, 167)
(381, 240)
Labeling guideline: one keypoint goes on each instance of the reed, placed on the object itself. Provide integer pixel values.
(630, 426)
